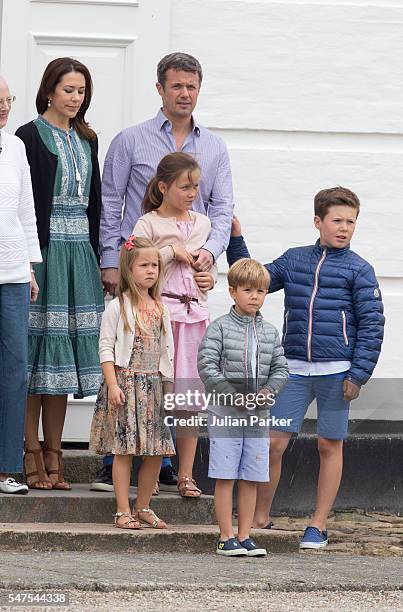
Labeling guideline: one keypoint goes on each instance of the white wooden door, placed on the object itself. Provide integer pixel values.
(121, 42)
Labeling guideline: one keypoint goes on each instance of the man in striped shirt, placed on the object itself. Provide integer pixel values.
(135, 153)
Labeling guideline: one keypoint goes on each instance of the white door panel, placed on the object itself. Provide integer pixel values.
(121, 42)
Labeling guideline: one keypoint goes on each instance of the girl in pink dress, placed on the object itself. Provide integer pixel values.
(180, 233)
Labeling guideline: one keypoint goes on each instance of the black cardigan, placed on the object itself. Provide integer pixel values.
(43, 165)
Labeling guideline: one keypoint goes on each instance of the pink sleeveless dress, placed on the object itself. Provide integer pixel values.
(188, 328)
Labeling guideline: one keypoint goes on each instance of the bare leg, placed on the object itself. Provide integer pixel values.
(121, 472)
(147, 476)
(34, 403)
(223, 507)
(266, 490)
(53, 417)
(246, 503)
(331, 467)
(186, 444)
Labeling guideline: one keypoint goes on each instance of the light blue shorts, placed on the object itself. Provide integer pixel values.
(238, 452)
(293, 401)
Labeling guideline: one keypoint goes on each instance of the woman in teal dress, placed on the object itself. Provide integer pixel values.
(64, 323)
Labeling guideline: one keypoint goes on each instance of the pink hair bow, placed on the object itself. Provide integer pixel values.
(130, 243)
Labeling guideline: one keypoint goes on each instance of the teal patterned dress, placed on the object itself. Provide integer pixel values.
(64, 322)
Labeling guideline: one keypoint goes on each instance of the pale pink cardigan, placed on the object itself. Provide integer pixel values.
(163, 231)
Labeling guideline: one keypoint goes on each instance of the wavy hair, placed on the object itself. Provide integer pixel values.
(54, 72)
(127, 285)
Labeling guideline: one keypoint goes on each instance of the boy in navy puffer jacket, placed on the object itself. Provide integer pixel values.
(332, 337)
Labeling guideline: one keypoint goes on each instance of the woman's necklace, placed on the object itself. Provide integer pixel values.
(77, 172)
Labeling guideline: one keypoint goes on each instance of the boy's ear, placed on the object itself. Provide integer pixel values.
(317, 221)
(231, 291)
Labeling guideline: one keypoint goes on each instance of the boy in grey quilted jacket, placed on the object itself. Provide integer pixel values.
(242, 365)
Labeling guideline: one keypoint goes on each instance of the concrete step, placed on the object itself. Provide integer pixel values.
(80, 505)
(89, 537)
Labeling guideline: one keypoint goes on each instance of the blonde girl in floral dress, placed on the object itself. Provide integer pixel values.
(136, 353)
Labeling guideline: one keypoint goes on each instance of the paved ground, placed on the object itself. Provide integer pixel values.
(305, 581)
(213, 600)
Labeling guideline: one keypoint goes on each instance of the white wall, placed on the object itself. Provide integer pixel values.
(307, 95)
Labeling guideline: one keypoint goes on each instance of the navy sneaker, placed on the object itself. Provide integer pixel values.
(103, 480)
(231, 548)
(253, 550)
(313, 538)
(168, 479)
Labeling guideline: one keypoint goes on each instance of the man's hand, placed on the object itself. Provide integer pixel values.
(236, 229)
(350, 390)
(204, 280)
(110, 278)
(204, 260)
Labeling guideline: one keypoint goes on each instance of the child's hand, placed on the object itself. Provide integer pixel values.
(204, 280)
(236, 229)
(116, 397)
(182, 255)
(350, 390)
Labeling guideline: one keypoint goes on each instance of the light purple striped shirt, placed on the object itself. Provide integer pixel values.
(130, 164)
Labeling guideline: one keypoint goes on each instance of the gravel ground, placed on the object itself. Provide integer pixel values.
(199, 600)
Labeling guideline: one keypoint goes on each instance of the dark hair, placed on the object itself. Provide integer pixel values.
(54, 72)
(178, 61)
(335, 196)
(170, 167)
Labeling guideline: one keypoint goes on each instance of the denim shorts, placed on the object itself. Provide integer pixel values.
(238, 452)
(294, 399)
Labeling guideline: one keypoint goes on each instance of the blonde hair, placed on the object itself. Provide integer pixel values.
(127, 285)
(248, 273)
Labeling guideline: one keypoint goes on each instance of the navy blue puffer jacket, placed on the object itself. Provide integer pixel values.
(332, 306)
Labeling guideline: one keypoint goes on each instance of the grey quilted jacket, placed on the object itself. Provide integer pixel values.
(224, 358)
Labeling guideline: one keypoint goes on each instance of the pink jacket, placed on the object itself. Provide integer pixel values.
(163, 231)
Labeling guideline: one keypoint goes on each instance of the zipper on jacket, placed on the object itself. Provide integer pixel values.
(344, 325)
(285, 325)
(310, 315)
(257, 358)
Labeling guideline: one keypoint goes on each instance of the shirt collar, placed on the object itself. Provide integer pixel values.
(162, 120)
(321, 248)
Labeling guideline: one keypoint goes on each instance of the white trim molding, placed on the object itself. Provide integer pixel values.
(103, 2)
(83, 40)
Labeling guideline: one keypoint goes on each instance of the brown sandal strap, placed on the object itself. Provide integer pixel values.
(59, 470)
(40, 465)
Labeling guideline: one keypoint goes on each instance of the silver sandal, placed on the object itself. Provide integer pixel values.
(130, 519)
(155, 523)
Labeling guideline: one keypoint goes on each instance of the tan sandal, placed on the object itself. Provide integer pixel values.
(154, 522)
(187, 487)
(131, 520)
(40, 470)
(60, 483)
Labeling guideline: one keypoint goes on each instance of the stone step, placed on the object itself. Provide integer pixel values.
(106, 538)
(80, 505)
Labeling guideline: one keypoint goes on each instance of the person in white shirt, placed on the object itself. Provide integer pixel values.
(19, 248)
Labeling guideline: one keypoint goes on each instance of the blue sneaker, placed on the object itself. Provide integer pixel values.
(231, 548)
(313, 538)
(253, 549)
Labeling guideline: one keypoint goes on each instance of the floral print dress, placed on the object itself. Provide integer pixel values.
(137, 427)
